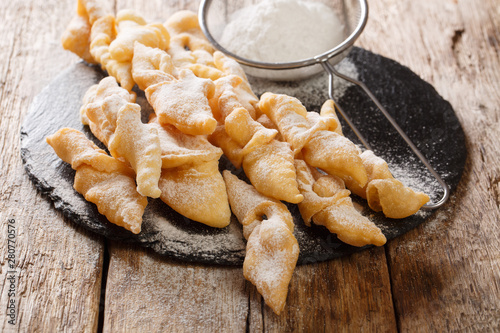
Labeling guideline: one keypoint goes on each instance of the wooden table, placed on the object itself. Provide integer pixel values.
(442, 276)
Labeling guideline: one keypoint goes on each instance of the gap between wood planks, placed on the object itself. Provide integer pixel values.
(104, 279)
(394, 307)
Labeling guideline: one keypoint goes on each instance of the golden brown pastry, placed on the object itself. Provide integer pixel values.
(272, 250)
(151, 66)
(197, 191)
(101, 103)
(190, 181)
(393, 198)
(268, 165)
(139, 144)
(386, 194)
(270, 168)
(383, 192)
(132, 28)
(76, 37)
(178, 148)
(102, 34)
(180, 100)
(313, 136)
(183, 102)
(188, 44)
(231, 93)
(101, 179)
(267, 162)
(327, 202)
(230, 79)
(232, 150)
(111, 41)
(336, 155)
(376, 168)
(295, 124)
(117, 123)
(328, 110)
(243, 90)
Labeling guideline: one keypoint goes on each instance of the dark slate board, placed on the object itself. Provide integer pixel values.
(428, 120)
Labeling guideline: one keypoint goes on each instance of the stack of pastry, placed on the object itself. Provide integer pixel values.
(204, 107)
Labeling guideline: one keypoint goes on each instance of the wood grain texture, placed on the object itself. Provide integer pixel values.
(350, 294)
(446, 273)
(148, 293)
(58, 266)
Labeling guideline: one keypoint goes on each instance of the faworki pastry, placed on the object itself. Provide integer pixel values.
(101, 179)
(313, 136)
(383, 192)
(182, 102)
(76, 37)
(178, 98)
(272, 250)
(190, 181)
(267, 162)
(116, 121)
(188, 44)
(203, 107)
(327, 203)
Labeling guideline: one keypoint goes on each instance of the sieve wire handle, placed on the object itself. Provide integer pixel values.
(333, 72)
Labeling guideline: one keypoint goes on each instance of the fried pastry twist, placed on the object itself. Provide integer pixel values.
(101, 179)
(267, 162)
(327, 203)
(97, 36)
(383, 192)
(313, 135)
(76, 37)
(116, 121)
(181, 101)
(272, 250)
(188, 44)
(190, 181)
(102, 35)
(112, 42)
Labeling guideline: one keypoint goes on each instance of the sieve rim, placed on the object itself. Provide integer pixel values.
(325, 56)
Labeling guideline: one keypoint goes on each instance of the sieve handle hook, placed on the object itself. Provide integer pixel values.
(333, 72)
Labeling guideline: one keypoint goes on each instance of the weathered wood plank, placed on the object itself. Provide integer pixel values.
(57, 266)
(157, 10)
(350, 294)
(446, 273)
(148, 293)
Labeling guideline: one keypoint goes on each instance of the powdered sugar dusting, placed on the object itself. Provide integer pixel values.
(311, 92)
(282, 30)
(412, 174)
(186, 236)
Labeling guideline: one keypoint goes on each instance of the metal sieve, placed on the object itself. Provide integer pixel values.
(214, 15)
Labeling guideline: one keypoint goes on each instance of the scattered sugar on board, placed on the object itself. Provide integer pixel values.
(229, 239)
(282, 31)
(412, 174)
(312, 92)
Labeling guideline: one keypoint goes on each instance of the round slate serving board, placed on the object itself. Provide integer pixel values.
(428, 120)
